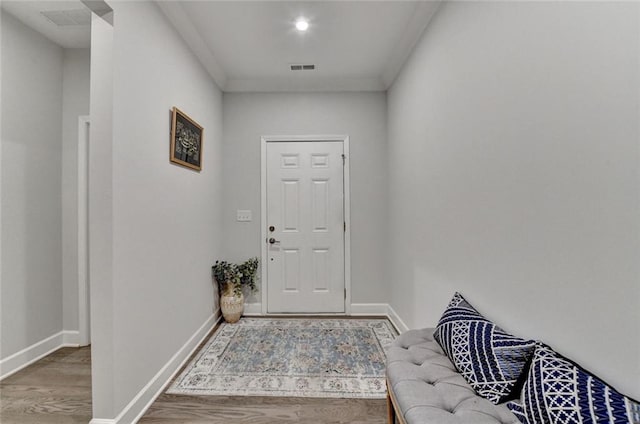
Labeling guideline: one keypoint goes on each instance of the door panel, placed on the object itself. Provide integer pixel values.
(320, 205)
(291, 205)
(305, 205)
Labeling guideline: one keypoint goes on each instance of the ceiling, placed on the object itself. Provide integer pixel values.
(250, 45)
(73, 29)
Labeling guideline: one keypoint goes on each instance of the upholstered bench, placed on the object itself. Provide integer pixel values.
(468, 370)
(424, 386)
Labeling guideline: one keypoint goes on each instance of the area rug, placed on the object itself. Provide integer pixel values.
(328, 358)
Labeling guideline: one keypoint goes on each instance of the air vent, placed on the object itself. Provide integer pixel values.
(303, 67)
(68, 17)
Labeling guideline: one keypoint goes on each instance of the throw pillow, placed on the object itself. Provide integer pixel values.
(491, 360)
(518, 410)
(558, 391)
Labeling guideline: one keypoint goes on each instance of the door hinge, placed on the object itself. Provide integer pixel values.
(345, 227)
(345, 293)
(344, 159)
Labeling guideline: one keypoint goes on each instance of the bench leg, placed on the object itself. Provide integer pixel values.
(391, 412)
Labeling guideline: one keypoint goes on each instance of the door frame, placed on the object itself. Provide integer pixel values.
(84, 314)
(344, 139)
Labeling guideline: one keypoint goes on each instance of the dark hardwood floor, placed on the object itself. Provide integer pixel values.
(56, 389)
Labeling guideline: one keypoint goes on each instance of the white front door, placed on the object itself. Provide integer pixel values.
(305, 221)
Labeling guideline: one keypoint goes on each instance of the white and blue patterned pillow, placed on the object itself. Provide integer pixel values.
(557, 391)
(518, 410)
(491, 360)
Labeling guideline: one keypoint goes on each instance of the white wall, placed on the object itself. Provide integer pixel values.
(165, 223)
(247, 116)
(75, 102)
(513, 143)
(31, 207)
(101, 218)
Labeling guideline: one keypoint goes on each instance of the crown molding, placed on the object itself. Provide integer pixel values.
(425, 10)
(174, 11)
(307, 85)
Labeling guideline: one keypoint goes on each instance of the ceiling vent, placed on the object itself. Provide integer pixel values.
(68, 17)
(297, 67)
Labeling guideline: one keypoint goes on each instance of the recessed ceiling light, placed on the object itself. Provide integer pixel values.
(302, 24)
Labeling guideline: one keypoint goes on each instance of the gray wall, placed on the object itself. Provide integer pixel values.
(159, 224)
(31, 190)
(513, 144)
(101, 219)
(359, 115)
(75, 102)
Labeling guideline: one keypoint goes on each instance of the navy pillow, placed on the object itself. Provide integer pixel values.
(518, 410)
(491, 360)
(558, 391)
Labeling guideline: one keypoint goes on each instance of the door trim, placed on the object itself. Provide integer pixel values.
(263, 209)
(84, 326)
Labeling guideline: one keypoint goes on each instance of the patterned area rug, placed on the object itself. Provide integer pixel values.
(334, 358)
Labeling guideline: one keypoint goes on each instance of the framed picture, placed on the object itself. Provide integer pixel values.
(186, 140)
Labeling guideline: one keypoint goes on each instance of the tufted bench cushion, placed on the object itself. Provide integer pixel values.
(426, 388)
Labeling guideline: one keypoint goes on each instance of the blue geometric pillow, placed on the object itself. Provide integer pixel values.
(557, 391)
(518, 410)
(491, 360)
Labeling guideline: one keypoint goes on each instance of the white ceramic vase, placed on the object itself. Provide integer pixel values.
(231, 305)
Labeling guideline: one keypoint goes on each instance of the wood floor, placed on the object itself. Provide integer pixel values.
(54, 390)
(174, 409)
(57, 389)
(169, 409)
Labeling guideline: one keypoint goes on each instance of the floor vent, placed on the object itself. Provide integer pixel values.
(303, 67)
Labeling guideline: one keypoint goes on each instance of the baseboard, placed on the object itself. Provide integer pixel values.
(357, 309)
(383, 309)
(252, 309)
(148, 394)
(396, 320)
(369, 309)
(19, 360)
(70, 338)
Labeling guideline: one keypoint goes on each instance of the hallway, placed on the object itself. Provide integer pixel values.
(57, 390)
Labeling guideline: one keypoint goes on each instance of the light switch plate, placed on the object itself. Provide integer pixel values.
(243, 215)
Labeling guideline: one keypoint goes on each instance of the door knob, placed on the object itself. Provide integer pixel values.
(273, 241)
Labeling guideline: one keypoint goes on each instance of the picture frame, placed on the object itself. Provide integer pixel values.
(186, 140)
